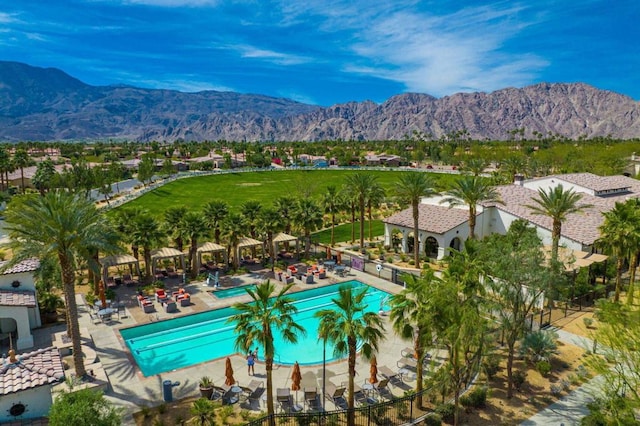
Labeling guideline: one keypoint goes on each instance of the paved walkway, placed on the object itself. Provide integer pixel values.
(571, 408)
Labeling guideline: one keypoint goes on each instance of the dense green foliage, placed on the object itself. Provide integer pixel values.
(83, 407)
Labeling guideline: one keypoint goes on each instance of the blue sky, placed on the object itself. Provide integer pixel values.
(329, 51)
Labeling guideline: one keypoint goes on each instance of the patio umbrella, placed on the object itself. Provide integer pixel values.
(228, 373)
(373, 371)
(103, 297)
(328, 252)
(296, 377)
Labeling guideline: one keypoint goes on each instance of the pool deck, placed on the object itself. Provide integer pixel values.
(131, 390)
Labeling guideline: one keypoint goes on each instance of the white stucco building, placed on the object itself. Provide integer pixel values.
(19, 312)
(442, 227)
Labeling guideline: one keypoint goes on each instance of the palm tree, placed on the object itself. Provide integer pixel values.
(214, 213)
(123, 222)
(284, 206)
(204, 411)
(360, 184)
(270, 222)
(21, 160)
(409, 316)
(233, 229)
(146, 233)
(332, 204)
(376, 195)
(68, 228)
(347, 326)
(410, 189)
(557, 204)
(634, 247)
(5, 164)
(193, 227)
(172, 218)
(250, 211)
(308, 217)
(258, 321)
(616, 233)
(470, 191)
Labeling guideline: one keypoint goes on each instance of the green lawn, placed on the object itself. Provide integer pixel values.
(343, 232)
(236, 188)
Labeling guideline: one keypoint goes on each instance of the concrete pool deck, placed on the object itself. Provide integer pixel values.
(131, 390)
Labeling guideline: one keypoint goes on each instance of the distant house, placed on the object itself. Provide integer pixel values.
(19, 311)
(383, 160)
(25, 384)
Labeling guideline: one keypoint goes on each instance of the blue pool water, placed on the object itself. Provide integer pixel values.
(189, 340)
(231, 292)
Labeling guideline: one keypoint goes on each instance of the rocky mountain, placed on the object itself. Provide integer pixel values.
(47, 104)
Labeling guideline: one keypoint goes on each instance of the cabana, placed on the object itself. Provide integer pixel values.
(119, 260)
(212, 248)
(246, 242)
(166, 253)
(284, 238)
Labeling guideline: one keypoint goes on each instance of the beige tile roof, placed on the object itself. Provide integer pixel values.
(33, 369)
(18, 298)
(27, 265)
(581, 227)
(432, 218)
(597, 183)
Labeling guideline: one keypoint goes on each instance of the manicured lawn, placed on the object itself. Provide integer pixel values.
(236, 188)
(343, 232)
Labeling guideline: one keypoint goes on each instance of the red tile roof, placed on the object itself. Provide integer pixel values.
(18, 298)
(33, 369)
(432, 218)
(26, 265)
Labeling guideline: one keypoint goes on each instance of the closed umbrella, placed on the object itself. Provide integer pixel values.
(339, 258)
(373, 371)
(328, 252)
(296, 378)
(103, 297)
(228, 372)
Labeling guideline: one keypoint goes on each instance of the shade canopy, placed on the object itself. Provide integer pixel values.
(117, 260)
(283, 238)
(248, 242)
(212, 248)
(166, 253)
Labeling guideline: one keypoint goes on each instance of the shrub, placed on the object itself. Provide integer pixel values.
(432, 419)
(565, 384)
(588, 322)
(556, 389)
(491, 365)
(518, 379)
(446, 412)
(543, 367)
(478, 397)
(583, 373)
(539, 345)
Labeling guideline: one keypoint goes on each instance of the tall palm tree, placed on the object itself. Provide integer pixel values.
(193, 227)
(146, 233)
(332, 203)
(232, 230)
(410, 189)
(214, 213)
(347, 325)
(123, 223)
(634, 247)
(284, 206)
(257, 322)
(270, 222)
(5, 164)
(410, 317)
(375, 198)
(171, 224)
(62, 226)
(360, 184)
(308, 218)
(250, 211)
(471, 190)
(557, 204)
(616, 233)
(21, 160)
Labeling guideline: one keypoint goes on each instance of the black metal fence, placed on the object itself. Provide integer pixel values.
(398, 411)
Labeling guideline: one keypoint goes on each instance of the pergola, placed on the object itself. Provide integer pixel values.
(246, 242)
(118, 260)
(166, 253)
(284, 238)
(212, 248)
(575, 259)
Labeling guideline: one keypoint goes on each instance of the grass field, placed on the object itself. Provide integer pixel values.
(236, 188)
(343, 232)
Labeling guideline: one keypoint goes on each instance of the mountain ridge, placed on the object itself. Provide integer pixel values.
(47, 104)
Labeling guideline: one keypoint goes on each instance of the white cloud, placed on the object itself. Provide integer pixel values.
(174, 3)
(280, 58)
(7, 18)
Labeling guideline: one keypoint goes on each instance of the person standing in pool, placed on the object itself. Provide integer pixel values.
(251, 360)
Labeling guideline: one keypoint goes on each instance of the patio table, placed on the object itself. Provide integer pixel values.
(330, 264)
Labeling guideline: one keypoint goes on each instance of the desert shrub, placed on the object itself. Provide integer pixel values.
(543, 367)
(477, 398)
(162, 408)
(433, 419)
(574, 379)
(491, 365)
(446, 412)
(588, 322)
(583, 373)
(566, 385)
(556, 389)
(539, 345)
(518, 379)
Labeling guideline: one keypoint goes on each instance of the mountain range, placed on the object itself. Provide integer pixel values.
(45, 104)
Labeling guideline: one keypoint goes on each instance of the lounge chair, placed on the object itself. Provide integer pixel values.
(288, 279)
(309, 279)
(389, 374)
(221, 392)
(360, 396)
(382, 389)
(161, 295)
(285, 401)
(94, 318)
(322, 274)
(335, 394)
(253, 391)
(148, 307)
(407, 363)
(111, 282)
(311, 398)
(184, 299)
(169, 305)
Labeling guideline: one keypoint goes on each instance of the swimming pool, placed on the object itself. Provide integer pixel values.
(232, 292)
(181, 342)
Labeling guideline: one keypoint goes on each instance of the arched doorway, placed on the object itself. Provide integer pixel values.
(431, 247)
(456, 244)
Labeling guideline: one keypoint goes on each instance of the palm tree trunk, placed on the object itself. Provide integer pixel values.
(193, 252)
(147, 263)
(73, 328)
(416, 240)
(351, 418)
(333, 226)
(362, 223)
(22, 178)
(555, 241)
(619, 266)
(633, 264)
(353, 225)
(270, 409)
(370, 220)
(472, 223)
(417, 347)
